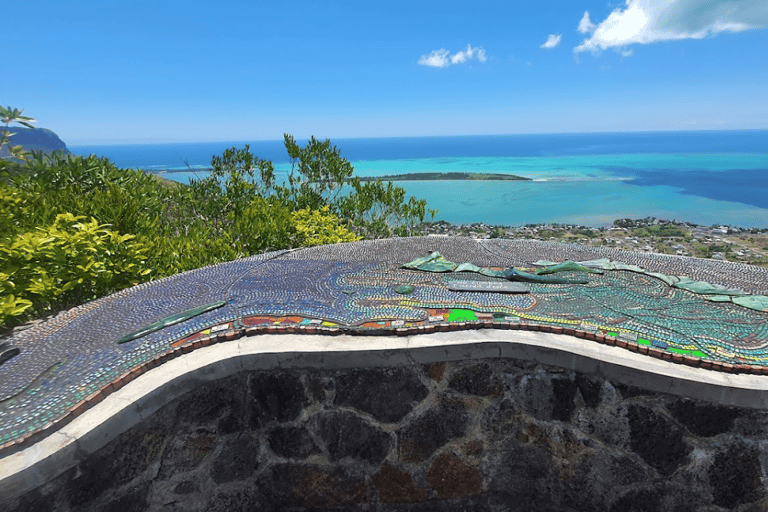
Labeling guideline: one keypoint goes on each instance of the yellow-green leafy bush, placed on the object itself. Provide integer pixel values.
(66, 263)
(321, 227)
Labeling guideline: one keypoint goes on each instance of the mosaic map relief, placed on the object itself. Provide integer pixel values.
(63, 366)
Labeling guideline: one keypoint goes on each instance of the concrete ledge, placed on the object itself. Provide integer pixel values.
(29, 468)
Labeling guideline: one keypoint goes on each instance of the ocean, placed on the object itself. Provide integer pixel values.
(707, 178)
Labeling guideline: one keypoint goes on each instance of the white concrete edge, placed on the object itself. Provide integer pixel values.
(27, 469)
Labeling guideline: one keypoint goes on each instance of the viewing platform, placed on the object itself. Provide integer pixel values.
(72, 384)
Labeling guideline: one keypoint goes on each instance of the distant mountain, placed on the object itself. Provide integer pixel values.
(37, 139)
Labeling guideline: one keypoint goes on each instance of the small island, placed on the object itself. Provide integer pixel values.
(438, 176)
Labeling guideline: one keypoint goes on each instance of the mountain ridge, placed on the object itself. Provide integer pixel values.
(33, 139)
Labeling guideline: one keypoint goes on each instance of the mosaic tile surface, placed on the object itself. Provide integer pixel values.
(75, 359)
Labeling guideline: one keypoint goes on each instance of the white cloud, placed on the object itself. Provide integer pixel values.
(442, 58)
(552, 41)
(468, 54)
(585, 25)
(649, 21)
(436, 59)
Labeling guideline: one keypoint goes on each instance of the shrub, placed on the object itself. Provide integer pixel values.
(129, 201)
(262, 225)
(194, 248)
(66, 263)
(320, 227)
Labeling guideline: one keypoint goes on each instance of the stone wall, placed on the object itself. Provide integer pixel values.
(496, 434)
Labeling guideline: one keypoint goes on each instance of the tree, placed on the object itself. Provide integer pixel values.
(318, 173)
(320, 176)
(10, 115)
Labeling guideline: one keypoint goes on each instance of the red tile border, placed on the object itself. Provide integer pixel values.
(95, 398)
(80, 408)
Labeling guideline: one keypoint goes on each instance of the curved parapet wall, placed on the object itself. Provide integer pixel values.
(607, 367)
(626, 326)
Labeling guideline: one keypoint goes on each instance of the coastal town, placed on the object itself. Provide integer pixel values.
(651, 235)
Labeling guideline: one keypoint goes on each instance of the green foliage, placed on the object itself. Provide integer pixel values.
(194, 248)
(320, 176)
(321, 227)
(10, 115)
(141, 228)
(12, 202)
(235, 171)
(66, 263)
(129, 201)
(263, 225)
(377, 209)
(239, 202)
(318, 173)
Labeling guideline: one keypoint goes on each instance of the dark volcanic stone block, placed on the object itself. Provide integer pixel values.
(292, 442)
(240, 500)
(735, 476)
(125, 458)
(662, 496)
(594, 478)
(563, 393)
(639, 500)
(451, 478)
(134, 501)
(185, 487)
(213, 402)
(33, 502)
(237, 460)
(590, 389)
(656, 439)
(704, 419)
(316, 388)
(425, 434)
(184, 453)
(346, 435)
(476, 380)
(387, 394)
(435, 371)
(275, 397)
(313, 487)
(524, 476)
(396, 486)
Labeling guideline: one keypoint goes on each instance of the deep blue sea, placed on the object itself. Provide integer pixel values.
(713, 177)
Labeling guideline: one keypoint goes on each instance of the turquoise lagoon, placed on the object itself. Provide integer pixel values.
(590, 179)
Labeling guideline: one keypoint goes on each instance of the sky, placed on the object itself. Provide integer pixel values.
(186, 71)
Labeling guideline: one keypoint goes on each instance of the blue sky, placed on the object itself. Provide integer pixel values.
(173, 71)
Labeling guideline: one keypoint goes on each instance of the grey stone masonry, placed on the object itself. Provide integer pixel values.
(483, 434)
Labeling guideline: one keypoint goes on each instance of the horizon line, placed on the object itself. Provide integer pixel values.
(130, 142)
